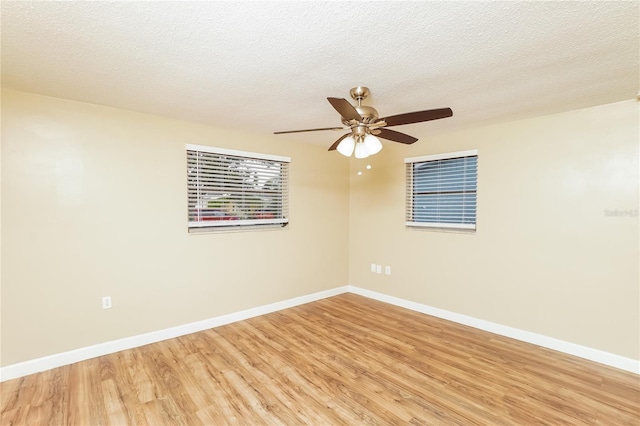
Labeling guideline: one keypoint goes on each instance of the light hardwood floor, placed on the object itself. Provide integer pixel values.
(343, 360)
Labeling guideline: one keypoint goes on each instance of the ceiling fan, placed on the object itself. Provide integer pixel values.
(364, 125)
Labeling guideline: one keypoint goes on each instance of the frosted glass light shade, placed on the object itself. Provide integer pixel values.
(361, 150)
(346, 146)
(373, 144)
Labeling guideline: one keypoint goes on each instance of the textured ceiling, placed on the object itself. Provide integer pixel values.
(266, 66)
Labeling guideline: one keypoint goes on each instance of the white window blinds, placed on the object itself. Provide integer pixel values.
(228, 188)
(441, 190)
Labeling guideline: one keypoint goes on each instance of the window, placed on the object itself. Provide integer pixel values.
(441, 190)
(233, 189)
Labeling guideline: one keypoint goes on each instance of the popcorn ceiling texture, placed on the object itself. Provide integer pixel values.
(266, 66)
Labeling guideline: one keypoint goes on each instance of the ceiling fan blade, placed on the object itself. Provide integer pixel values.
(308, 130)
(336, 143)
(418, 116)
(392, 135)
(346, 110)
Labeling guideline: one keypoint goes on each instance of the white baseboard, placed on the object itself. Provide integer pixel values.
(585, 352)
(58, 360)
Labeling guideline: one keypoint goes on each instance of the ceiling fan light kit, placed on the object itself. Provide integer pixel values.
(364, 125)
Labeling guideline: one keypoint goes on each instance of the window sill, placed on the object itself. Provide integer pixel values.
(237, 228)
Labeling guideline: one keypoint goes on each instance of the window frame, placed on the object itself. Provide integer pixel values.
(238, 224)
(410, 194)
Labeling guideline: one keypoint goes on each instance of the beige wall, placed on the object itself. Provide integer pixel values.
(94, 204)
(545, 257)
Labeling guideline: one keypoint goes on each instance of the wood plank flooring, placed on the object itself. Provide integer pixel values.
(343, 360)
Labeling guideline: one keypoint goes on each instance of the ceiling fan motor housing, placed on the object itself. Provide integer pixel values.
(368, 114)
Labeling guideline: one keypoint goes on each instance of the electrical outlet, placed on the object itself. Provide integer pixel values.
(378, 269)
(373, 267)
(387, 270)
(106, 302)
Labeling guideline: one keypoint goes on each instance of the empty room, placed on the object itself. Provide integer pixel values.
(320, 213)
